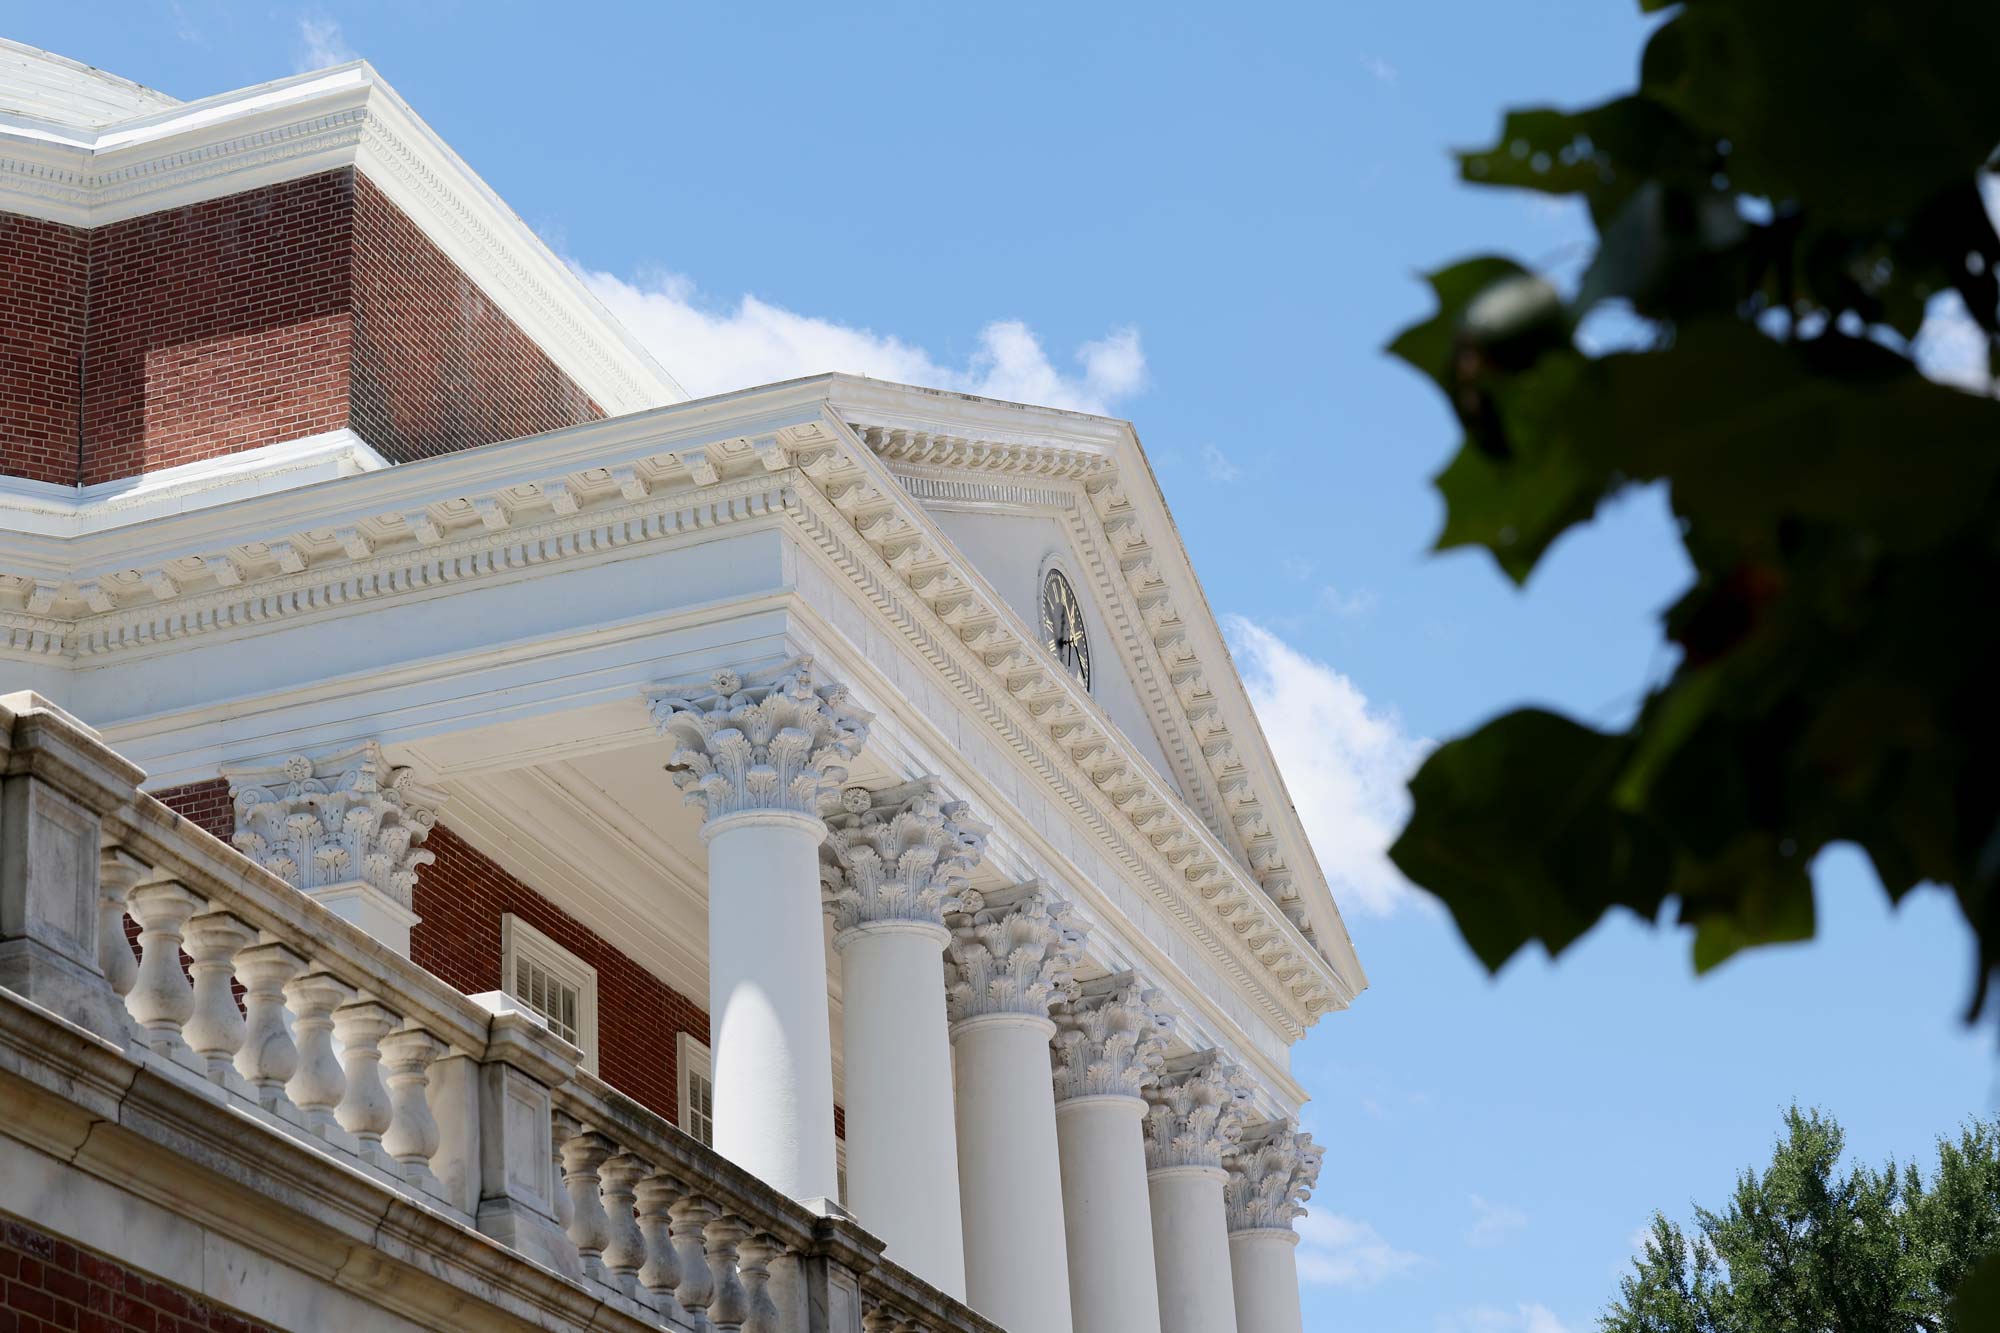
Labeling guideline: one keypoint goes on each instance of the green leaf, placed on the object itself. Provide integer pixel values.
(1513, 832)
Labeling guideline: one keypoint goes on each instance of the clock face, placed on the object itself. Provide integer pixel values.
(1062, 627)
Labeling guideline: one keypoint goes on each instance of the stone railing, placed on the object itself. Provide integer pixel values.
(465, 1108)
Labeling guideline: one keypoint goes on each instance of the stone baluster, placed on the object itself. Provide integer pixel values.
(162, 999)
(691, 1216)
(625, 1250)
(365, 1110)
(267, 1057)
(318, 1084)
(216, 1028)
(562, 1129)
(412, 1138)
(117, 872)
(731, 1305)
(589, 1226)
(754, 1263)
(654, 1198)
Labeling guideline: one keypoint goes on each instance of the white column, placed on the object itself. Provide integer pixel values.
(344, 828)
(1271, 1173)
(894, 864)
(1010, 952)
(1110, 1043)
(759, 754)
(1194, 1117)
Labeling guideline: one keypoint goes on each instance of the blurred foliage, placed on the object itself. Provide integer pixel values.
(1789, 190)
(1803, 1248)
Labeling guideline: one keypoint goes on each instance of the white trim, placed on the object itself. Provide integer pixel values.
(347, 116)
(46, 509)
(692, 1057)
(521, 942)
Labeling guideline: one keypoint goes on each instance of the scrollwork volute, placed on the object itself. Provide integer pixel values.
(903, 854)
(1011, 952)
(1195, 1112)
(1271, 1175)
(779, 739)
(1111, 1038)
(337, 819)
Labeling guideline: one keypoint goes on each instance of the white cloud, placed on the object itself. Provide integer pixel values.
(321, 44)
(1493, 1223)
(1951, 347)
(1383, 71)
(1527, 1317)
(1216, 464)
(715, 348)
(1336, 602)
(1345, 762)
(1336, 1251)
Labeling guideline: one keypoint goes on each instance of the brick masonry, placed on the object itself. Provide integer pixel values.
(47, 1283)
(265, 316)
(461, 898)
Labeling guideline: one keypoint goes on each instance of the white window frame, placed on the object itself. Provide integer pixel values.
(520, 941)
(691, 1056)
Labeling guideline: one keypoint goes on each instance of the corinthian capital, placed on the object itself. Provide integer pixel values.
(898, 855)
(1195, 1112)
(778, 739)
(345, 818)
(1011, 952)
(1271, 1176)
(1111, 1038)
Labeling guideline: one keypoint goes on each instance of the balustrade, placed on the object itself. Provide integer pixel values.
(463, 1106)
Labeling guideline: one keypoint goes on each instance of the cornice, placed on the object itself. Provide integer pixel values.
(319, 122)
(968, 631)
(1166, 632)
(594, 492)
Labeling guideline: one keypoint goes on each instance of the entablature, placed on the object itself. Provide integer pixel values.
(609, 489)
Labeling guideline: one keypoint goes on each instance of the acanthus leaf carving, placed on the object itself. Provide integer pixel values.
(902, 854)
(1011, 952)
(1111, 1038)
(778, 739)
(1195, 1112)
(342, 818)
(1271, 1175)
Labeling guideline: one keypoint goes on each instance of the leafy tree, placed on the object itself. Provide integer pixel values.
(1805, 1249)
(1777, 205)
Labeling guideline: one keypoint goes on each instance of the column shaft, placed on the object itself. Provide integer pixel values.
(902, 1146)
(770, 1033)
(1010, 1174)
(1107, 1214)
(1191, 1250)
(1264, 1267)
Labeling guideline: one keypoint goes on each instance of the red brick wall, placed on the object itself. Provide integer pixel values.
(47, 1283)
(206, 805)
(265, 316)
(437, 367)
(42, 274)
(461, 899)
(218, 327)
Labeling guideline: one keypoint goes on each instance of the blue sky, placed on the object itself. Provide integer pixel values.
(1207, 218)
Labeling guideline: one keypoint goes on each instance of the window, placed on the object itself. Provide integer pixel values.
(697, 1090)
(552, 981)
